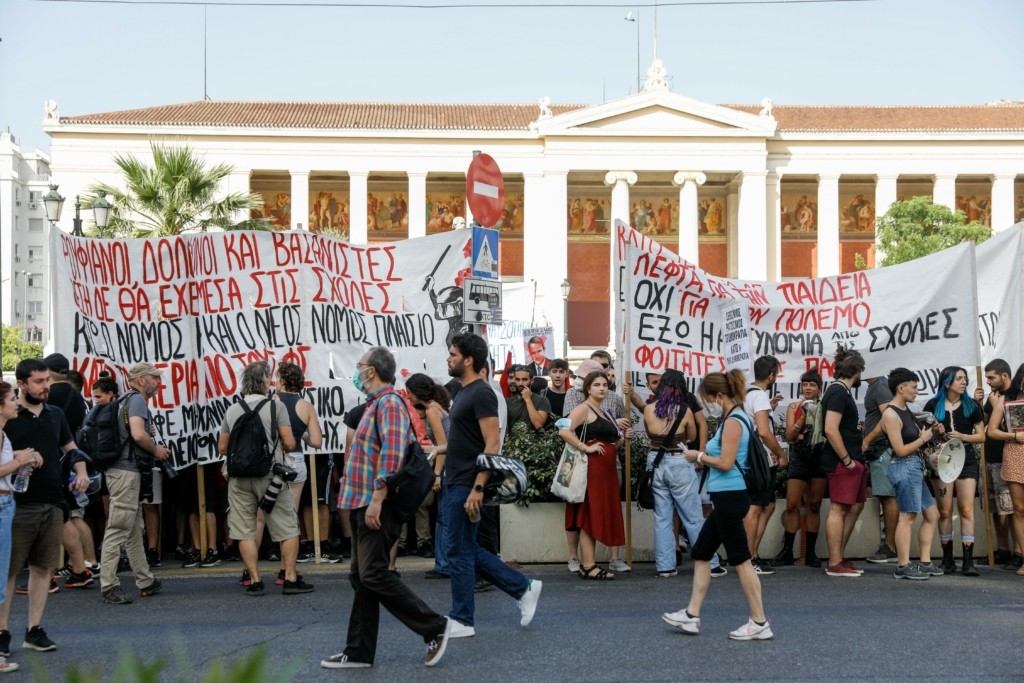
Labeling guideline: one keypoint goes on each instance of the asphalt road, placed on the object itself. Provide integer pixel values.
(872, 628)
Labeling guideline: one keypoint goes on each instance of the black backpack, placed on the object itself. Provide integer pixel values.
(758, 474)
(250, 454)
(100, 434)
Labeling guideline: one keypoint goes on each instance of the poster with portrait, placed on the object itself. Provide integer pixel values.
(539, 347)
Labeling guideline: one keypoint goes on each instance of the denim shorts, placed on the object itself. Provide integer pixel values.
(907, 476)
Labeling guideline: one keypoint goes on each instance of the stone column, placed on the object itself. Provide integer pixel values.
(417, 204)
(773, 215)
(1002, 201)
(732, 239)
(357, 206)
(750, 237)
(619, 182)
(689, 223)
(828, 226)
(944, 191)
(300, 200)
(885, 197)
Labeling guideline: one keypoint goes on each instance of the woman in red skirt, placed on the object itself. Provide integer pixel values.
(599, 517)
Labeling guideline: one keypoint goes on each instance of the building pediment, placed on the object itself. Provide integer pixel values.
(658, 113)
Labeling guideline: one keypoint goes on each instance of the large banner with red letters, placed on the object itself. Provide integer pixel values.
(203, 306)
(921, 315)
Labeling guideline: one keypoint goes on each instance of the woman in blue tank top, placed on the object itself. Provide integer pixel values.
(726, 458)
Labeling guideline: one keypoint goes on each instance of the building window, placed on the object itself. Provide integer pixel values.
(35, 307)
(35, 280)
(35, 253)
(35, 196)
(34, 334)
(35, 224)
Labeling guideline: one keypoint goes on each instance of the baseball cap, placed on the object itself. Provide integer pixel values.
(141, 370)
(57, 363)
(587, 367)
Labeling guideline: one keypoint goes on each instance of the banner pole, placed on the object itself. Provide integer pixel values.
(201, 484)
(622, 336)
(984, 492)
(313, 502)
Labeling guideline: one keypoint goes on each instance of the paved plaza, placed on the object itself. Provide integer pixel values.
(869, 629)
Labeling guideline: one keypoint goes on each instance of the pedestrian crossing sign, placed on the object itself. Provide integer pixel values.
(485, 253)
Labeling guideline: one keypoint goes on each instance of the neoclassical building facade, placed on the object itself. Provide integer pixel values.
(750, 191)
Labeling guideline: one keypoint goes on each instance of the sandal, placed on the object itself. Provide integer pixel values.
(595, 573)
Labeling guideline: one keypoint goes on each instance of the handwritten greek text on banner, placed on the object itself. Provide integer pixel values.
(203, 306)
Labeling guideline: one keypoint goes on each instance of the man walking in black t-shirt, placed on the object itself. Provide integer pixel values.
(474, 430)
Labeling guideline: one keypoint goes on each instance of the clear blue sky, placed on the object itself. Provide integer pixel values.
(105, 57)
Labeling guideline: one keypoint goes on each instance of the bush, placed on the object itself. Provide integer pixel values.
(539, 451)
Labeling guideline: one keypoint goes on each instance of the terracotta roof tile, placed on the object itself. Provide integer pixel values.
(989, 118)
(518, 117)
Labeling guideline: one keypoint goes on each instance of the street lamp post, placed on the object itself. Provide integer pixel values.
(54, 204)
(635, 18)
(566, 286)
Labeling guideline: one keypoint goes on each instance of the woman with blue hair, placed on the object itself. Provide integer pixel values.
(963, 419)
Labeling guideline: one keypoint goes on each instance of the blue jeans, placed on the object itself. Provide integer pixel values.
(440, 536)
(467, 560)
(6, 519)
(676, 486)
(907, 476)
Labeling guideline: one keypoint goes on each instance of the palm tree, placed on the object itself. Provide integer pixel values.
(176, 195)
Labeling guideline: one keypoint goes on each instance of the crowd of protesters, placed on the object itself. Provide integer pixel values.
(142, 515)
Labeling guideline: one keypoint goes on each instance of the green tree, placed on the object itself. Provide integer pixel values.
(16, 349)
(178, 194)
(918, 227)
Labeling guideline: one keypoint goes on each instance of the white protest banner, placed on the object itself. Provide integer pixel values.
(736, 336)
(518, 300)
(1001, 296)
(910, 315)
(203, 306)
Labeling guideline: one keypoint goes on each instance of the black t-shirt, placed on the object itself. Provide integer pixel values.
(352, 418)
(993, 447)
(838, 399)
(557, 402)
(956, 421)
(474, 401)
(71, 402)
(47, 434)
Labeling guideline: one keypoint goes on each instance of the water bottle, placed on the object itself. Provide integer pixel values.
(80, 498)
(20, 483)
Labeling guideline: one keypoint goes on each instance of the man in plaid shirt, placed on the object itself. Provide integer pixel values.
(377, 449)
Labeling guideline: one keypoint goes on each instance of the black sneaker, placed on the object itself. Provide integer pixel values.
(482, 586)
(280, 578)
(212, 559)
(255, 588)
(152, 557)
(434, 574)
(295, 587)
(5, 643)
(192, 559)
(246, 579)
(151, 590)
(115, 596)
(1001, 556)
(181, 553)
(1015, 563)
(425, 550)
(231, 554)
(763, 567)
(35, 639)
(784, 558)
(64, 572)
(83, 580)
(306, 557)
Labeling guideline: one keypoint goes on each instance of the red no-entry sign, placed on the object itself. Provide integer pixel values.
(485, 190)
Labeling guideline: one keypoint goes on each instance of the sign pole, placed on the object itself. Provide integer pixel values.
(984, 491)
(316, 510)
(622, 336)
(201, 483)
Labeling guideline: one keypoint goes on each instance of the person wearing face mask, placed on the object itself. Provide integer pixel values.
(842, 461)
(963, 419)
(726, 458)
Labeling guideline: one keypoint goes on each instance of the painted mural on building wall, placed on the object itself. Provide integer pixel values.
(387, 210)
(588, 215)
(856, 213)
(976, 206)
(655, 215)
(1019, 214)
(799, 214)
(277, 208)
(328, 211)
(711, 217)
(513, 216)
(442, 208)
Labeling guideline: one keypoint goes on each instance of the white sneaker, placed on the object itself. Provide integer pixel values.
(460, 630)
(617, 565)
(528, 603)
(341, 661)
(574, 565)
(752, 631)
(682, 621)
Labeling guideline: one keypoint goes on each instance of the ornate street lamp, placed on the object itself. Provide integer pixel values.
(54, 204)
(101, 213)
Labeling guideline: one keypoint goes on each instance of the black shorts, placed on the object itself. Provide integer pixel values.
(724, 526)
(767, 498)
(802, 470)
(214, 487)
(322, 474)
